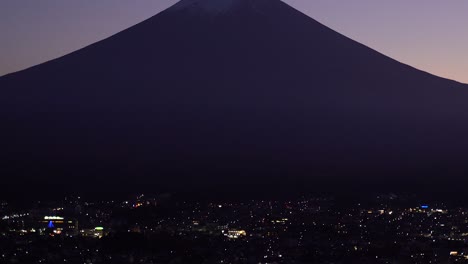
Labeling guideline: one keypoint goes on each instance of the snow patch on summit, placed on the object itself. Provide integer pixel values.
(208, 6)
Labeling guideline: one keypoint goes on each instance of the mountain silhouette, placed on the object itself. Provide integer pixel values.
(230, 92)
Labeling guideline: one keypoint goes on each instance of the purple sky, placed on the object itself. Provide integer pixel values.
(431, 35)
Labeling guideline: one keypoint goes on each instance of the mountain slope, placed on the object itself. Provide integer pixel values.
(229, 91)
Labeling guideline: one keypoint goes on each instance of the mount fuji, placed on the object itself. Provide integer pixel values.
(230, 93)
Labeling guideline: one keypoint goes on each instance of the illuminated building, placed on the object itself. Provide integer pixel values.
(58, 225)
(234, 233)
(280, 221)
(97, 232)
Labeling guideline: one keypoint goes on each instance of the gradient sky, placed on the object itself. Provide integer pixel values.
(431, 35)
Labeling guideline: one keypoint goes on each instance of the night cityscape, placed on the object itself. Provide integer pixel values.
(162, 229)
(233, 131)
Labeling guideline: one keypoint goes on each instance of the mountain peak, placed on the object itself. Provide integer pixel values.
(215, 6)
(222, 91)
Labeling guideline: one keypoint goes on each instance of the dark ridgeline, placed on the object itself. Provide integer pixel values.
(211, 93)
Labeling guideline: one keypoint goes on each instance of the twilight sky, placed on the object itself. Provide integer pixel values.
(431, 35)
